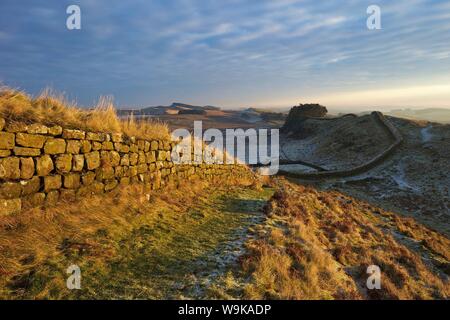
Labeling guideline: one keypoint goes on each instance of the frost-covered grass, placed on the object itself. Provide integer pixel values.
(127, 247)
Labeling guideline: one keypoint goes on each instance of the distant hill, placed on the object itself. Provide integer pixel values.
(174, 108)
(440, 115)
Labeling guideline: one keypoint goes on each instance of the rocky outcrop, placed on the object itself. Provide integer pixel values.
(302, 112)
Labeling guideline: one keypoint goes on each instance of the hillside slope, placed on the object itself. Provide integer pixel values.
(335, 144)
(220, 241)
(413, 180)
(318, 245)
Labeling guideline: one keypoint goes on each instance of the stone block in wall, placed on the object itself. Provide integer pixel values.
(96, 146)
(134, 148)
(15, 127)
(86, 146)
(142, 168)
(10, 206)
(119, 172)
(92, 136)
(2, 123)
(44, 165)
(27, 152)
(110, 158)
(105, 173)
(30, 140)
(147, 146)
(78, 163)
(134, 157)
(52, 183)
(92, 160)
(125, 160)
(5, 153)
(33, 200)
(111, 184)
(73, 134)
(26, 168)
(63, 163)
(133, 171)
(141, 157)
(37, 129)
(126, 171)
(52, 198)
(141, 145)
(7, 140)
(150, 156)
(117, 137)
(10, 190)
(88, 178)
(31, 186)
(114, 157)
(73, 146)
(154, 145)
(55, 146)
(55, 131)
(72, 181)
(160, 155)
(120, 147)
(107, 146)
(10, 168)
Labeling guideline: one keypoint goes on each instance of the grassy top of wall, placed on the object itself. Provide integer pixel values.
(50, 109)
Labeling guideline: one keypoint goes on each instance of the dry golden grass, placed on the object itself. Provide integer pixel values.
(52, 109)
(319, 244)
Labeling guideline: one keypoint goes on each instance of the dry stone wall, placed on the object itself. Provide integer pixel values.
(395, 139)
(41, 165)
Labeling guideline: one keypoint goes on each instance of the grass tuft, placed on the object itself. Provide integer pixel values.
(50, 108)
(318, 245)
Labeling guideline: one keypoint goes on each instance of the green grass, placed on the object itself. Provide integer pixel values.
(176, 253)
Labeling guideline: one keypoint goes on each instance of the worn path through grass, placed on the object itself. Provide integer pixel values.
(179, 254)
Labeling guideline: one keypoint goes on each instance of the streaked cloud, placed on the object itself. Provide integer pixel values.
(228, 53)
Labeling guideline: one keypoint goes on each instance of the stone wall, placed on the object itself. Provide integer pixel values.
(42, 165)
(393, 135)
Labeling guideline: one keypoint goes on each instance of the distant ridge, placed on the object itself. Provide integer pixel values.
(440, 115)
(174, 108)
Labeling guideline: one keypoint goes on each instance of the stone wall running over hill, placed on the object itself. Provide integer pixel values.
(394, 137)
(42, 165)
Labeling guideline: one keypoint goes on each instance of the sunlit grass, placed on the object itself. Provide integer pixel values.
(50, 108)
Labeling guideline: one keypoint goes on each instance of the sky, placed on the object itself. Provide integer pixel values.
(231, 53)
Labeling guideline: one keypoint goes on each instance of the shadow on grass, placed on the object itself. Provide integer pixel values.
(179, 257)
